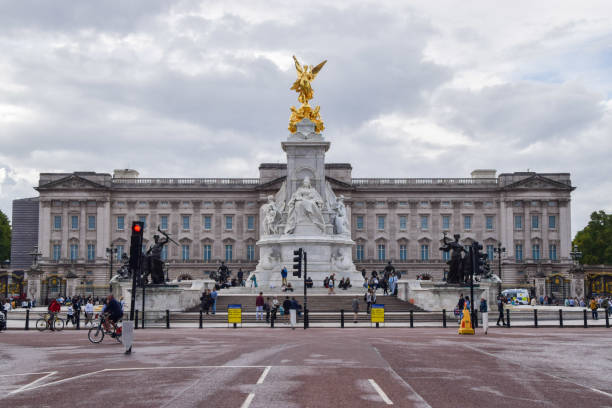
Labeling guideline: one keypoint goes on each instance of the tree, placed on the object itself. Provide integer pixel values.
(5, 237)
(595, 240)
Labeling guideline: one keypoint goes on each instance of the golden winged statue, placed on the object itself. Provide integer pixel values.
(305, 75)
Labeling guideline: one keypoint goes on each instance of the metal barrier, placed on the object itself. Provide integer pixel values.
(532, 318)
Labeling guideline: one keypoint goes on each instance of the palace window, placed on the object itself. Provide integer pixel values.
(359, 252)
(424, 222)
(229, 222)
(143, 219)
(57, 222)
(535, 222)
(186, 222)
(446, 255)
(552, 252)
(535, 252)
(91, 222)
(207, 222)
(424, 252)
(250, 252)
(446, 222)
(185, 250)
(552, 222)
(403, 250)
(489, 222)
(381, 222)
(164, 253)
(163, 221)
(381, 252)
(518, 252)
(467, 222)
(228, 252)
(490, 252)
(120, 252)
(91, 252)
(57, 252)
(403, 224)
(74, 222)
(250, 222)
(518, 222)
(359, 222)
(207, 251)
(120, 222)
(74, 252)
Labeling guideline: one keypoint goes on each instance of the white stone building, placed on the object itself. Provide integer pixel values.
(82, 214)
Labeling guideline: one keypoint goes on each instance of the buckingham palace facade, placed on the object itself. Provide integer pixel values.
(86, 216)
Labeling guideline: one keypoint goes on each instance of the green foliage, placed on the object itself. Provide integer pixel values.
(595, 240)
(5, 237)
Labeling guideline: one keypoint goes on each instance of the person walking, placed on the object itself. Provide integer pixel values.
(332, 281)
(593, 306)
(500, 308)
(70, 315)
(275, 306)
(293, 308)
(355, 307)
(368, 299)
(267, 309)
(286, 308)
(259, 304)
(484, 311)
(284, 276)
(89, 312)
(240, 277)
(213, 297)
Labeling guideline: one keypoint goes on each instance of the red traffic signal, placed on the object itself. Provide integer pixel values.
(136, 227)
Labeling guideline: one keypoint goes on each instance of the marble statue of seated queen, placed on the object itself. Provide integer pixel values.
(305, 206)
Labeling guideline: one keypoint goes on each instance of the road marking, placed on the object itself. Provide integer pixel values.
(380, 392)
(12, 375)
(539, 373)
(247, 401)
(27, 386)
(263, 375)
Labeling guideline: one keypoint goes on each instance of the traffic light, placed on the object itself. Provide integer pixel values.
(297, 267)
(136, 245)
(479, 260)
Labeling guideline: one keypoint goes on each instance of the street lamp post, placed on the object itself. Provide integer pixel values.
(576, 256)
(112, 251)
(499, 251)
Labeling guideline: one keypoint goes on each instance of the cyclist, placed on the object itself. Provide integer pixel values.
(113, 312)
(54, 309)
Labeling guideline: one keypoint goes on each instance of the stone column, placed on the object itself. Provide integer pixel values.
(83, 230)
(565, 229)
(44, 229)
(65, 228)
(540, 288)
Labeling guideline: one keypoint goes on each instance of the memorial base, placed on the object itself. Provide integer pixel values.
(437, 296)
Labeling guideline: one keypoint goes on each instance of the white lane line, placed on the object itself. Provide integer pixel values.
(58, 381)
(12, 375)
(27, 386)
(263, 375)
(380, 392)
(538, 371)
(247, 401)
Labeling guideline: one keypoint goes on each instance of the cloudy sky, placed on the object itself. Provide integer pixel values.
(411, 89)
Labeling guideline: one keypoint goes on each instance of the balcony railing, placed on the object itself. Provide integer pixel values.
(185, 181)
(425, 181)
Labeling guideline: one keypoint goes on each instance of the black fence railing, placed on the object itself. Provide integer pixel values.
(27, 319)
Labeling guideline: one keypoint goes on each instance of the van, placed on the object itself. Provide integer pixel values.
(519, 296)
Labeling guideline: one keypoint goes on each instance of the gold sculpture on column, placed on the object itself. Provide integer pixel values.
(305, 75)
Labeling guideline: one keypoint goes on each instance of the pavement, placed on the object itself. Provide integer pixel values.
(318, 367)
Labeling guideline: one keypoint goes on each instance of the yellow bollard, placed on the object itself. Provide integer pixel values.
(466, 323)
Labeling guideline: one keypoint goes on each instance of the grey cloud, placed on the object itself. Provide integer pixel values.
(520, 113)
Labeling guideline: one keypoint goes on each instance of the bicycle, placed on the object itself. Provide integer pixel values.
(45, 323)
(96, 333)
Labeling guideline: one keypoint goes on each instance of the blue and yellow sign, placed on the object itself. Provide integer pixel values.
(377, 314)
(234, 313)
